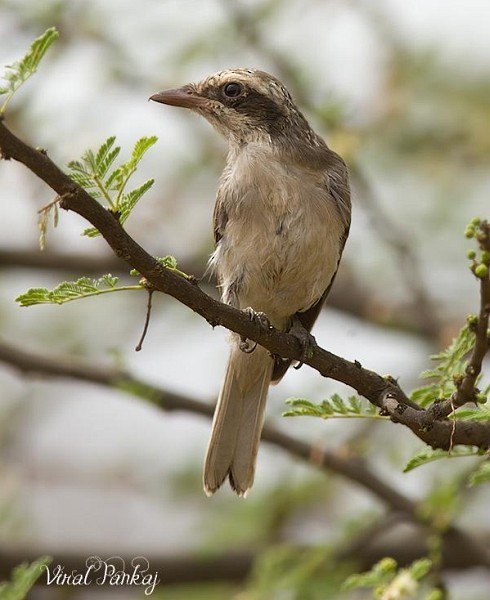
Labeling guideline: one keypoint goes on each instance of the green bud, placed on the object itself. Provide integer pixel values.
(472, 320)
(481, 236)
(386, 565)
(481, 398)
(481, 271)
(469, 232)
(420, 568)
(485, 257)
(471, 254)
(475, 221)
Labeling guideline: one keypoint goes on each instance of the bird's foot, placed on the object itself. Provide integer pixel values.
(306, 340)
(262, 320)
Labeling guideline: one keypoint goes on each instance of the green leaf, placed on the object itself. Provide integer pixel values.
(390, 582)
(140, 149)
(91, 232)
(169, 262)
(478, 413)
(73, 290)
(121, 176)
(106, 155)
(481, 475)
(129, 200)
(427, 456)
(451, 362)
(21, 70)
(379, 575)
(24, 576)
(302, 408)
(420, 568)
(95, 172)
(335, 407)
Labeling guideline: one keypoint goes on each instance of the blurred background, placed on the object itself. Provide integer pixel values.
(400, 90)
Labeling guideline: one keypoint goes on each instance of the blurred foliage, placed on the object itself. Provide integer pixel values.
(390, 583)
(18, 72)
(24, 576)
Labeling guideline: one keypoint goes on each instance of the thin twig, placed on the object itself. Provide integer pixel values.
(147, 321)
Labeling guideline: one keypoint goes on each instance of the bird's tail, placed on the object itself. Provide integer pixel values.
(238, 421)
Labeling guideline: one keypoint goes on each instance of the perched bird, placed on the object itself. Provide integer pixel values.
(281, 219)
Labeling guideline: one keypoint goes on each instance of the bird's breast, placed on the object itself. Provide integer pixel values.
(281, 243)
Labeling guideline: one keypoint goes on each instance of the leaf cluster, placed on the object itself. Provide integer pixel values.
(388, 581)
(451, 364)
(96, 173)
(335, 407)
(73, 290)
(21, 70)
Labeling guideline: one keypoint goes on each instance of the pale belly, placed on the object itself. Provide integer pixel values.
(279, 263)
(281, 241)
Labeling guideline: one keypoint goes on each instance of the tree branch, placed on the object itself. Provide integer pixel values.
(382, 391)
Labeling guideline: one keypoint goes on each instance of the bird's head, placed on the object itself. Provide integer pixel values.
(244, 105)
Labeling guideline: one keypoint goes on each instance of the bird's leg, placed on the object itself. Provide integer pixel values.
(262, 320)
(305, 338)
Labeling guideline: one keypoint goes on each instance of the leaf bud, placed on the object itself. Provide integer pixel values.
(481, 271)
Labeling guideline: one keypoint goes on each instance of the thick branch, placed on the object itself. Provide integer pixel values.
(367, 383)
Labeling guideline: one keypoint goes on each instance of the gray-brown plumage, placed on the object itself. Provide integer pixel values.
(281, 220)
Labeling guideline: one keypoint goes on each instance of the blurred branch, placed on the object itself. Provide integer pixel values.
(231, 567)
(237, 566)
(352, 468)
(346, 295)
(59, 261)
(410, 271)
(383, 392)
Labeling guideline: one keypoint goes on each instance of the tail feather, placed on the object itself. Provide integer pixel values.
(238, 421)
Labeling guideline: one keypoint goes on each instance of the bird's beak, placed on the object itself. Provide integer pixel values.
(184, 96)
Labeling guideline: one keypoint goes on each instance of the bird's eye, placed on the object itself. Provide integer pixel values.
(232, 90)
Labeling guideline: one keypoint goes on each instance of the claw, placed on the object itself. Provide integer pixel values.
(259, 317)
(245, 345)
(262, 320)
(306, 340)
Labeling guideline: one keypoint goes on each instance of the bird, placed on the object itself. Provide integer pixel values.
(281, 221)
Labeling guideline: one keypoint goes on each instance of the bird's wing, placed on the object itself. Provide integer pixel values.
(337, 184)
(220, 218)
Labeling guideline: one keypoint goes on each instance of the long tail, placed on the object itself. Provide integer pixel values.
(238, 421)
